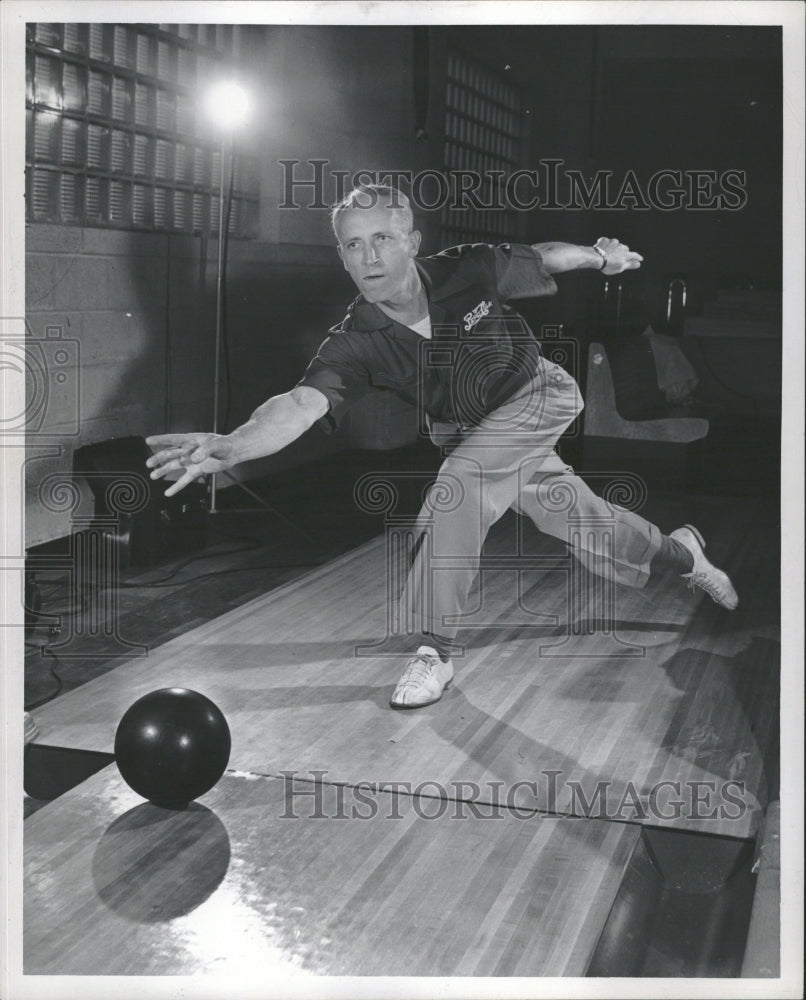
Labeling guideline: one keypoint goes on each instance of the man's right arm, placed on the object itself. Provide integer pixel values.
(278, 422)
(272, 427)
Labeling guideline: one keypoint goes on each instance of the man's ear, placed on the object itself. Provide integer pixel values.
(414, 241)
(341, 255)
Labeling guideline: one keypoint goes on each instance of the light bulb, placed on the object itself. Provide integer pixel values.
(227, 104)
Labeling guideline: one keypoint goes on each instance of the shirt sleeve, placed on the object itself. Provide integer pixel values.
(520, 273)
(340, 374)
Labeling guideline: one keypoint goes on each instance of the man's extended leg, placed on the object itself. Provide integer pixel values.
(563, 505)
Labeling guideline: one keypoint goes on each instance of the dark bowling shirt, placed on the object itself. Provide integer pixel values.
(480, 352)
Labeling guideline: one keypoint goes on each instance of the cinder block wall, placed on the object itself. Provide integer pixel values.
(106, 294)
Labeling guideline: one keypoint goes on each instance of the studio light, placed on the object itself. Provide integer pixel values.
(227, 104)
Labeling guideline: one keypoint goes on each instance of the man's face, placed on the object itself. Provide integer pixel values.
(378, 253)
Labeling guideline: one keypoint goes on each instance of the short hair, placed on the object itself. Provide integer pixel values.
(370, 195)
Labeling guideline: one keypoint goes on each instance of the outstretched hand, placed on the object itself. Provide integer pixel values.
(198, 454)
(619, 256)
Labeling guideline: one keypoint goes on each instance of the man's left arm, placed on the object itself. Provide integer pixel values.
(609, 256)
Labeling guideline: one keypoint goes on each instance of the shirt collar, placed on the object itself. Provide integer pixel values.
(366, 316)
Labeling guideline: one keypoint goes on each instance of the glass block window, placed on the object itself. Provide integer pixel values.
(115, 135)
(483, 134)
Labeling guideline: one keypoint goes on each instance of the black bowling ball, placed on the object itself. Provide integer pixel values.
(172, 745)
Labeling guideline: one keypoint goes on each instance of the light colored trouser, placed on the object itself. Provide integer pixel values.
(508, 460)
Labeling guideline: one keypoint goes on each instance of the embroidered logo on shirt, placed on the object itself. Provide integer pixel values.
(476, 313)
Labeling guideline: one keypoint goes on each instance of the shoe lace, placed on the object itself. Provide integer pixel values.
(708, 584)
(418, 669)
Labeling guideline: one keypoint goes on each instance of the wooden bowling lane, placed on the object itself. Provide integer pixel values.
(245, 882)
(675, 709)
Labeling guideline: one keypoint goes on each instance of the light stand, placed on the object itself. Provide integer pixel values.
(227, 106)
(219, 301)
